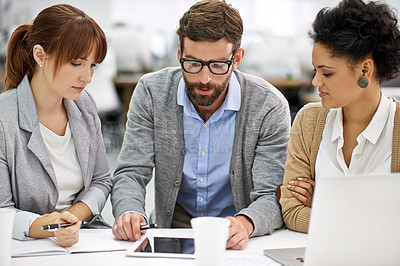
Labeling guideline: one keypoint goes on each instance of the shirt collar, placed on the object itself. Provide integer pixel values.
(232, 99)
(379, 120)
(375, 127)
(337, 123)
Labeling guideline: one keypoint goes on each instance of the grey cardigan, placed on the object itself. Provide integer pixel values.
(154, 139)
(27, 178)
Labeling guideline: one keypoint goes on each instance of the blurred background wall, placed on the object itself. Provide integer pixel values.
(142, 32)
(141, 36)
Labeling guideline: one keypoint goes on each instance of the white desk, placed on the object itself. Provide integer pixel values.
(279, 239)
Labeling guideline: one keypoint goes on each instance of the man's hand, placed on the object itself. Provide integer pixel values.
(303, 190)
(239, 231)
(127, 226)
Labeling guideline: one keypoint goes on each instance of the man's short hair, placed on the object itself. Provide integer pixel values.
(211, 20)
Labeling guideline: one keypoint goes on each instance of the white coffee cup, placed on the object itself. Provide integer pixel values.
(210, 236)
(6, 227)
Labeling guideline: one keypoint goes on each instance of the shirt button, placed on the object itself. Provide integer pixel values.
(203, 153)
(357, 155)
(168, 213)
(201, 200)
(183, 151)
(176, 183)
(201, 179)
(204, 125)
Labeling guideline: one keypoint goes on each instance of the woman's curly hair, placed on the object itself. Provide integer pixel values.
(356, 30)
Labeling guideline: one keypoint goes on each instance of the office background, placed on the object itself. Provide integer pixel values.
(141, 37)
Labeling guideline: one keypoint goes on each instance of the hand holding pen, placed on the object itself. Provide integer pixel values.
(55, 227)
(130, 226)
(63, 226)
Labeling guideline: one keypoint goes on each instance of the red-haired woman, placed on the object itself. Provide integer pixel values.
(53, 165)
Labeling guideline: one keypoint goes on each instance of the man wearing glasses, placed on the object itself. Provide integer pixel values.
(216, 136)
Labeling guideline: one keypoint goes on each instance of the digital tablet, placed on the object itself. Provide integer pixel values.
(153, 236)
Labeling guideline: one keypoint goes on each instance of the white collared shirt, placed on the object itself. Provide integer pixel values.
(373, 153)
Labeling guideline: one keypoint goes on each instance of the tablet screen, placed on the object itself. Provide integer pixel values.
(165, 247)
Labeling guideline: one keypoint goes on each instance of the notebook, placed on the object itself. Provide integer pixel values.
(354, 221)
(90, 240)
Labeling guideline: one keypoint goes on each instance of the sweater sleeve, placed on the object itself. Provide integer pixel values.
(136, 159)
(267, 165)
(299, 163)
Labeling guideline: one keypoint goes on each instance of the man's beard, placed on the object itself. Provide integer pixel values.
(205, 100)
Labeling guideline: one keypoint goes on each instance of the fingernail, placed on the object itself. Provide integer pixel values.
(293, 193)
(291, 182)
(299, 178)
(289, 186)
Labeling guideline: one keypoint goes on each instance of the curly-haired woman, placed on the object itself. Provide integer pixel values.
(355, 128)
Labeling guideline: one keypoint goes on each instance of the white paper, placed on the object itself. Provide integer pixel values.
(36, 247)
(90, 240)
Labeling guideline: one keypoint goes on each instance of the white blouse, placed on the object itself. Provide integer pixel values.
(66, 166)
(373, 153)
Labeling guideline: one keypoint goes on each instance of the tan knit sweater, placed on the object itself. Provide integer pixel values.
(303, 149)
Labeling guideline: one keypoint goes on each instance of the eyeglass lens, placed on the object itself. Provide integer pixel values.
(215, 67)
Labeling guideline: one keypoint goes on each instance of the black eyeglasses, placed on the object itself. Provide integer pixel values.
(217, 67)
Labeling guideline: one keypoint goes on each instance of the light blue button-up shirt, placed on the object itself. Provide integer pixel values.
(206, 189)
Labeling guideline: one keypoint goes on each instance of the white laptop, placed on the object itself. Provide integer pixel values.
(355, 220)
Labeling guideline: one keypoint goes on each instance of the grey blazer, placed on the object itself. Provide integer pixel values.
(27, 178)
(154, 139)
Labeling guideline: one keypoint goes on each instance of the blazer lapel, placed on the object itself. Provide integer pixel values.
(80, 136)
(29, 121)
(38, 148)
